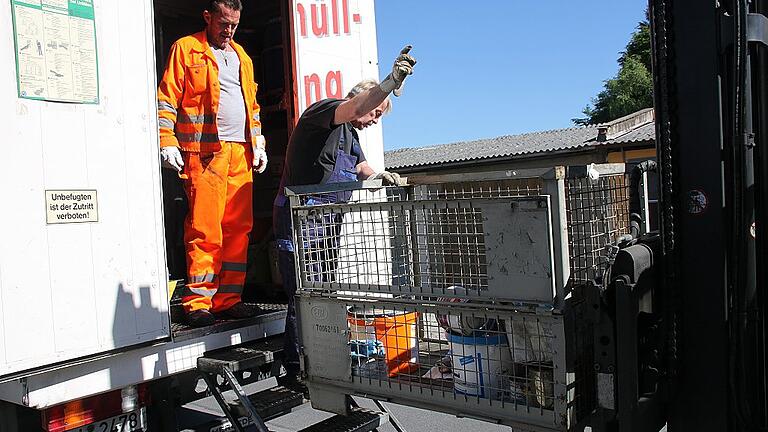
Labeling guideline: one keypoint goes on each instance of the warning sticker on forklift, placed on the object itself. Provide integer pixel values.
(71, 206)
(697, 202)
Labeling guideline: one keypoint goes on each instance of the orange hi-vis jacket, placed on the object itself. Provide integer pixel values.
(188, 97)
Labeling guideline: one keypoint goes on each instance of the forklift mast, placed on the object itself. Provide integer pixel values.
(710, 72)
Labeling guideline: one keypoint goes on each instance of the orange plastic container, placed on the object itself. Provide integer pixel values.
(396, 331)
(398, 334)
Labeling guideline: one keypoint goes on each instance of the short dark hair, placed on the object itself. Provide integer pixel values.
(214, 5)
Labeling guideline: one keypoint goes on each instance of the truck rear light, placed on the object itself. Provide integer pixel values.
(71, 415)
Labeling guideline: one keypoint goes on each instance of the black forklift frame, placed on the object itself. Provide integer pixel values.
(713, 167)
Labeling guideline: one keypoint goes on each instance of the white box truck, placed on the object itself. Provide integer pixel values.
(86, 336)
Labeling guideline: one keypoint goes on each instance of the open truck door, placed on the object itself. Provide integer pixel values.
(82, 263)
(302, 52)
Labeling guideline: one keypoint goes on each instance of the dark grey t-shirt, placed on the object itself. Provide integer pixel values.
(311, 152)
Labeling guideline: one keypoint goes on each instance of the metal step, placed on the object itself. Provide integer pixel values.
(358, 420)
(270, 403)
(274, 402)
(241, 358)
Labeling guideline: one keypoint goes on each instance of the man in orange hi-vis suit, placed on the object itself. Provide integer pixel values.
(210, 133)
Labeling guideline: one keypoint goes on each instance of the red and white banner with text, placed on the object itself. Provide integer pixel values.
(336, 49)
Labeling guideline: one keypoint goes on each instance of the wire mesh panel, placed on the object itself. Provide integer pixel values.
(429, 238)
(493, 248)
(598, 214)
(505, 365)
(596, 206)
(506, 188)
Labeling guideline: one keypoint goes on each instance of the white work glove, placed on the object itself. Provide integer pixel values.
(387, 178)
(171, 158)
(259, 155)
(400, 70)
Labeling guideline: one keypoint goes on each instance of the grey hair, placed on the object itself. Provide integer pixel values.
(214, 5)
(365, 85)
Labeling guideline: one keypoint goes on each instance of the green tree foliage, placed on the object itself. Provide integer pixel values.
(631, 89)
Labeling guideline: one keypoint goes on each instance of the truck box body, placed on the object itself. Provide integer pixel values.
(84, 304)
(68, 288)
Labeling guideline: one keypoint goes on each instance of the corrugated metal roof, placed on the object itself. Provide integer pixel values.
(644, 133)
(512, 145)
(492, 148)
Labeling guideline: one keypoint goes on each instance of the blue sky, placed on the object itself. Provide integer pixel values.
(488, 68)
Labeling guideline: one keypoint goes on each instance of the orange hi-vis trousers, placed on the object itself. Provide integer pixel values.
(219, 188)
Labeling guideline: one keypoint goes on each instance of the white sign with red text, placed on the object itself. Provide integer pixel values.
(336, 49)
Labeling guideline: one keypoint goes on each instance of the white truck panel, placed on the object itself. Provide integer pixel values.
(134, 366)
(336, 49)
(76, 289)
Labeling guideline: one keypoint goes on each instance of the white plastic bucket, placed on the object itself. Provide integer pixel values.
(480, 365)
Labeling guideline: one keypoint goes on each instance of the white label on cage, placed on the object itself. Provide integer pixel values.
(71, 206)
(325, 335)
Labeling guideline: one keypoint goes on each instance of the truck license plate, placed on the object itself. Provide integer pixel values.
(126, 422)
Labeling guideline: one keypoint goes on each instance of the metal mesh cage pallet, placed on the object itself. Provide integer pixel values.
(506, 365)
(520, 235)
(451, 294)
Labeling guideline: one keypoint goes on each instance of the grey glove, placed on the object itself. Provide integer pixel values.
(387, 178)
(402, 67)
(170, 157)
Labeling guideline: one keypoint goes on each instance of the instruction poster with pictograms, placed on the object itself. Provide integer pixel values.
(56, 56)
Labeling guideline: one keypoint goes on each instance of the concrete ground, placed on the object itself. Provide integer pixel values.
(412, 419)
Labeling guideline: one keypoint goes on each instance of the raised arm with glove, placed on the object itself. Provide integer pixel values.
(400, 70)
(355, 108)
(402, 67)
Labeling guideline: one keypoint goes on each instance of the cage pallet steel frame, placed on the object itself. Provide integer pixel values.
(455, 294)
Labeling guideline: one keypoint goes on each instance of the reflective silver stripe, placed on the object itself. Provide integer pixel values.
(231, 289)
(233, 266)
(257, 116)
(165, 123)
(165, 106)
(198, 137)
(196, 119)
(208, 277)
(199, 291)
(255, 131)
